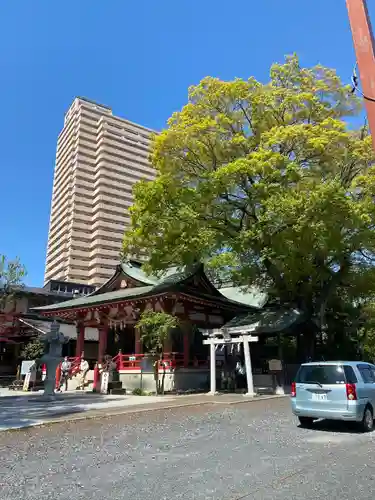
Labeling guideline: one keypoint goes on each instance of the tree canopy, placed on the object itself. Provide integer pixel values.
(267, 183)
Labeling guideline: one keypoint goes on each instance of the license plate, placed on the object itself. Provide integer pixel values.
(319, 397)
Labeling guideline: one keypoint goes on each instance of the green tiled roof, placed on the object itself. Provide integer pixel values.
(170, 275)
(126, 293)
(173, 279)
(253, 298)
(267, 320)
(137, 274)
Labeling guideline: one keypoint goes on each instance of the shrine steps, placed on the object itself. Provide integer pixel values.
(74, 382)
(116, 388)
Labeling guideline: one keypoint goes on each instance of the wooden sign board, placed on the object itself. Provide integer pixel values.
(104, 383)
(26, 382)
(29, 378)
(274, 365)
(26, 366)
(147, 365)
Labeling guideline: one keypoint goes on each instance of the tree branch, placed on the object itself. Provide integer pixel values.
(330, 285)
(248, 119)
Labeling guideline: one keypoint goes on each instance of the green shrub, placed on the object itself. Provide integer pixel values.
(138, 392)
(33, 350)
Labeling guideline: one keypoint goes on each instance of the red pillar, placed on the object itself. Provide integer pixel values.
(96, 381)
(186, 349)
(364, 50)
(138, 343)
(103, 334)
(80, 345)
(58, 376)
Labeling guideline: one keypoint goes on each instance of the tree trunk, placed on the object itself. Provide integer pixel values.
(308, 342)
(156, 375)
(163, 376)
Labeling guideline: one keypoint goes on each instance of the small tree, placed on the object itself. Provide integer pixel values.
(12, 273)
(33, 350)
(155, 330)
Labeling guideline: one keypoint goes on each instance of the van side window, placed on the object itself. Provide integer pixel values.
(350, 376)
(366, 374)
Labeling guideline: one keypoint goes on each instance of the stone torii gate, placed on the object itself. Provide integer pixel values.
(223, 336)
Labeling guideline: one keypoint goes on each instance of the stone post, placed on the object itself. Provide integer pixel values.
(212, 369)
(52, 359)
(280, 375)
(249, 370)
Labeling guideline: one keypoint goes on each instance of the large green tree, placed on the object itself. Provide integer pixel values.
(267, 183)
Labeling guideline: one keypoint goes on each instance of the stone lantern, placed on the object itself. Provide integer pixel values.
(55, 340)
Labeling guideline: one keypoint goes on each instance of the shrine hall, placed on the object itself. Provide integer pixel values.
(115, 308)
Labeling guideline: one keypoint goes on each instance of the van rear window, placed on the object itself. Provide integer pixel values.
(326, 374)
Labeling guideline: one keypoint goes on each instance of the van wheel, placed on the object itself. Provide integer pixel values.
(367, 424)
(306, 421)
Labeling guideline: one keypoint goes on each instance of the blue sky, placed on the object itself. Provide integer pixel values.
(139, 58)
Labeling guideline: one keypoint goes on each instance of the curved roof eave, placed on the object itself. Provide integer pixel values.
(253, 298)
(268, 320)
(93, 301)
(107, 283)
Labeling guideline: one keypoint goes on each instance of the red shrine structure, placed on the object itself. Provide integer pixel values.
(115, 307)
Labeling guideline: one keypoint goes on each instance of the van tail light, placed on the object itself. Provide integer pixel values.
(351, 392)
(293, 392)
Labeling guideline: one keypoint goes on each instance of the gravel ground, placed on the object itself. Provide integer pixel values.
(246, 451)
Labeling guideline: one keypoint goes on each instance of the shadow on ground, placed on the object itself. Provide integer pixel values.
(336, 426)
(22, 411)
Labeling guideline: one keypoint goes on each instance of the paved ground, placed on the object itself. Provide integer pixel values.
(20, 411)
(237, 452)
(30, 409)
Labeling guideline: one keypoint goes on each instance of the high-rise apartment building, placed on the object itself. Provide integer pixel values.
(99, 157)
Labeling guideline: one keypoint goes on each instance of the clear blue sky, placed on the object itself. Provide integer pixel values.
(139, 58)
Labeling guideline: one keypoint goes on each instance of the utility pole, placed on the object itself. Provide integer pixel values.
(364, 46)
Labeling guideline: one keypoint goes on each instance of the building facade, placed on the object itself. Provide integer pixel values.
(98, 160)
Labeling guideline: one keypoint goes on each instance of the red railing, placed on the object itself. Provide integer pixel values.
(75, 368)
(76, 363)
(171, 360)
